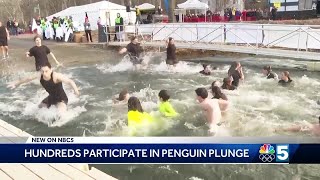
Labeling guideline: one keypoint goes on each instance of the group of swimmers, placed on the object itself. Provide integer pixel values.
(52, 82)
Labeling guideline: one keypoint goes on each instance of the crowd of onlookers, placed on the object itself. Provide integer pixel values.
(233, 14)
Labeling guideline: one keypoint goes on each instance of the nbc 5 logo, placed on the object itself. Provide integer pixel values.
(282, 153)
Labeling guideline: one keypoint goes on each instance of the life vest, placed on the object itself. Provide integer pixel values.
(118, 20)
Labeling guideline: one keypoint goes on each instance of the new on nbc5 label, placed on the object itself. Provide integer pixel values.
(269, 154)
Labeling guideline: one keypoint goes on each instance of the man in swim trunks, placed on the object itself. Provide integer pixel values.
(40, 53)
(134, 50)
(211, 108)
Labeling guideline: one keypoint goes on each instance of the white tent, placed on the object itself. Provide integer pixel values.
(193, 4)
(146, 6)
(106, 10)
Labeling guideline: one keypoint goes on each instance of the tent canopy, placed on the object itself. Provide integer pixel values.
(146, 6)
(193, 4)
(102, 5)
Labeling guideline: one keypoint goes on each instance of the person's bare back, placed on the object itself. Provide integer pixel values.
(212, 110)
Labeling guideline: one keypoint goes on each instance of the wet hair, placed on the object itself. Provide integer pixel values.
(267, 68)
(47, 64)
(233, 67)
(202, 92)
(122, 95)
(212, 84)
(133, 38)
(217, 94)
(287, 74)
(204, 66)
(36, 37)
(226, 83)
(163, 94)
(134, 104)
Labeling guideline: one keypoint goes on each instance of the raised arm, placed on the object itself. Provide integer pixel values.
(8, 34)
(123, 50)
(55, 59)
(66, 80)
(13, 85)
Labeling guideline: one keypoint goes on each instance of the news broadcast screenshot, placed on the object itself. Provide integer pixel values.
(159, 90)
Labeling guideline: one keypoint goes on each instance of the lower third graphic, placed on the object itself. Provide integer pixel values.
(266, 153)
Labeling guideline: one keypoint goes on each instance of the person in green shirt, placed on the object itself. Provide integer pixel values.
(165, 107)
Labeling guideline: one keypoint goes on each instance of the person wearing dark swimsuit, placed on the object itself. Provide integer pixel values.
(40, 53)
(285, 79)
(267, 71)
(52, 83)
(236, 73)
(171, 52)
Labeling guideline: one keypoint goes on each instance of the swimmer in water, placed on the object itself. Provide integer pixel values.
(236, 72)
(304, 126)
(285, 79)
(137, 118)
(52, 83)
(206, 71)
(223, 100)
(165, 107)
(211, 108)
(122, 98)
(40, 53)
(227, 84)
(171, 53)
(267, 71)
(134, 50)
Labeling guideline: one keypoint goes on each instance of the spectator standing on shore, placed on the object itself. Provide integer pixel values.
(9, 25)
(87, 28)
(160, 10)
(119, 27)
(15, 27)
(138, 16)
(4, 37)
(273, 13)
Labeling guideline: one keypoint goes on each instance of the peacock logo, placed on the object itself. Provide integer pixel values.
(266, 149)
(266, 153)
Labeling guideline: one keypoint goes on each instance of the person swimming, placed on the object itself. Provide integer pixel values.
(211, 108)
(236, 72)
(137, 118)
(285, 79)
(227, 84)
(52, 83)
(267, 71)
(223, 100)
(206, 71)
(123, 97)
(165, 107)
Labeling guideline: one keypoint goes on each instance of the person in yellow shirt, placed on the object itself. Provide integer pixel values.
(137, 118)
(138, 16)
(165, 107)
